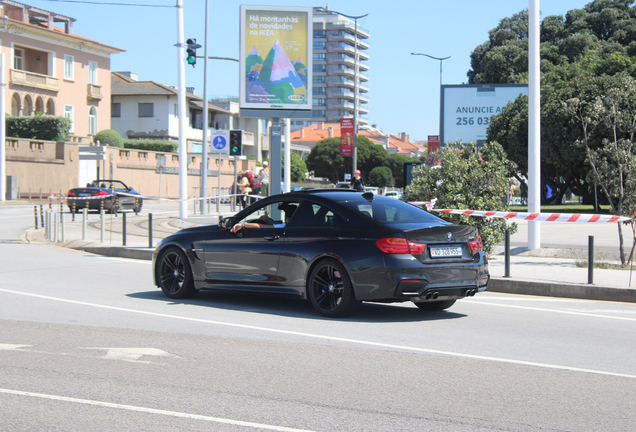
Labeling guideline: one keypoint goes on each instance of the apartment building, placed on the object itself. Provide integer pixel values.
(52, 71)
(334, 60)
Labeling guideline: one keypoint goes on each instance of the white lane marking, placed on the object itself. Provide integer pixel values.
(566, 312)
(7, 347)
(152, 411)
(334, 338)
(131, 354)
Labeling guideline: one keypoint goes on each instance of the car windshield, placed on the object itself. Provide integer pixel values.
(110, 184)
(392, 212)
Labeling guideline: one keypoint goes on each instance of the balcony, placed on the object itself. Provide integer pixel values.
(35, 80)
(94, 92)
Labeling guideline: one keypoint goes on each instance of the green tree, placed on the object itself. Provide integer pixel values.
(380, 176)
(467, 180)
(297, 168)
(395, 162)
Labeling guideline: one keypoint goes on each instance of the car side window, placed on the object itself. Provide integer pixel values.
(315, 216)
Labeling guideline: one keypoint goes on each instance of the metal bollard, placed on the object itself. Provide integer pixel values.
(35, 208)
(41, 215)
(85, 214)
(101, 217)
(507, 255)
(590, 260)
(55, 227)
(123, 231)
(62, 227)
(73, 211)
(150, 230)
(47, 228)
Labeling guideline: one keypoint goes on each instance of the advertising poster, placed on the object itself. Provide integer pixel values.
(346, 137)
(275, 57)
(466, 109)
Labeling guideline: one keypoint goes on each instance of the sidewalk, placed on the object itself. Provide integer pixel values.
(553, 273)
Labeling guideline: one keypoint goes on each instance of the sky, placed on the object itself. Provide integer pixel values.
(403, 89)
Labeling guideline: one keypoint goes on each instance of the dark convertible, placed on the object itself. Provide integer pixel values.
(110, 195)
(336, 248)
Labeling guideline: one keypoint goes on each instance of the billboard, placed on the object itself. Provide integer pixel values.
(276, 58)
(466, 109)
(433, 146)
(346, 137)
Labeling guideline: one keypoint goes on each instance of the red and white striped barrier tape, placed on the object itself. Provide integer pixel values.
(148, 197)
(541, 217)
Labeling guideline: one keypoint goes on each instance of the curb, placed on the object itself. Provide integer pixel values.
(565, 290)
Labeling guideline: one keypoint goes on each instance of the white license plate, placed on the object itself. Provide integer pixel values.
(83, 194)
(440, 252)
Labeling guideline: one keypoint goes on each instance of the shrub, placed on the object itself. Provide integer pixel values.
(163, 146)
(109, 137)
(45, 128)
(380, 176)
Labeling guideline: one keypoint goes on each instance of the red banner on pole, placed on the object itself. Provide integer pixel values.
(346, 137)
(433, 146)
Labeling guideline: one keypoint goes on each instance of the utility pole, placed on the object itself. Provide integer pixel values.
(183, 151)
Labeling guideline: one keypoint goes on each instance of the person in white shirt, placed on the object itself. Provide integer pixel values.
(263, 177)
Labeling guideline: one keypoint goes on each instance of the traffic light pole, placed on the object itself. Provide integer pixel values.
(204, 150)
(183, 151)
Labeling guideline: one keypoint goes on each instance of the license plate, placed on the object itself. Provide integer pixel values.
(441, 252)
(83, 194)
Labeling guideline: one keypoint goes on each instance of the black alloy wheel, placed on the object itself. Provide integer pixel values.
(174, 275)
(435, 305)
(330, 290)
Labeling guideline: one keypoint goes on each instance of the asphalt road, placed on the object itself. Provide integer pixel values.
(87, 343)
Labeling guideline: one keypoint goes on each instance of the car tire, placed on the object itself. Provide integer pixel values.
(435, 305)
(330, 291)
(174, 274)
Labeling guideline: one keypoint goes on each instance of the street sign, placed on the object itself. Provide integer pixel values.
(220, 140)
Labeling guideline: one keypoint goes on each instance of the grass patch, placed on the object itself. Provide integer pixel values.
(562, 208)
(603, 265)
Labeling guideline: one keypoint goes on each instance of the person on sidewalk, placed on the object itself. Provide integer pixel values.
(357, 183)
(263, 177)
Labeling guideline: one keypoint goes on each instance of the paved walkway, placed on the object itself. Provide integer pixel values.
(548, 271)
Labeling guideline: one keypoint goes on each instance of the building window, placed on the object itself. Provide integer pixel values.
(320, 34)
(318, 113)
(115, 109)
(92, 73)
(92, 121)
(18, 59)
(68, 113)
(68, 67)
(298, 122)
(15, 105)
(320, 56)
(320, 90)
(320, 102)
(320, 68)
(320, 45)
(145, 109)
(319, 79)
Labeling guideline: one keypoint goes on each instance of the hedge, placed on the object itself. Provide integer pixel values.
(41, 127)
(152, 145)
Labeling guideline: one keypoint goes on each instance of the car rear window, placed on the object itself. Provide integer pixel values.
(392, 212)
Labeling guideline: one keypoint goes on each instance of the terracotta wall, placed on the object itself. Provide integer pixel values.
(54, 167)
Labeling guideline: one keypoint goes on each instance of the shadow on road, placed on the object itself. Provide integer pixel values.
(298, 308)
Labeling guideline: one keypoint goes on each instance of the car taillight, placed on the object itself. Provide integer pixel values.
(398, 245)
(475, 245)
(101, 193)
(71, 193)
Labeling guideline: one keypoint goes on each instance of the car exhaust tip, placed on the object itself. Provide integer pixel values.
(435, 295)
(429, 295)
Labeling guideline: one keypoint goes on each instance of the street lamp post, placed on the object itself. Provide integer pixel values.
(441, 59)
(354, 163)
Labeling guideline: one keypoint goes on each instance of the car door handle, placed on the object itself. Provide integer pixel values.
(270, 238)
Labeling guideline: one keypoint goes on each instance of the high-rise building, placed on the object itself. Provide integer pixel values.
(334, 59)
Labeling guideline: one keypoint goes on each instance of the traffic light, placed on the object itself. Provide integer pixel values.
(236, 143)
(192, 51)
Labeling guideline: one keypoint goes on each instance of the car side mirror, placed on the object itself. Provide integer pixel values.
(225, 222)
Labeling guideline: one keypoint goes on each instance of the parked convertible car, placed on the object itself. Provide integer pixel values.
(114, 195)
(338, 249)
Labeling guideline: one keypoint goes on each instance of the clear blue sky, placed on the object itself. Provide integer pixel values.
(403, 89)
